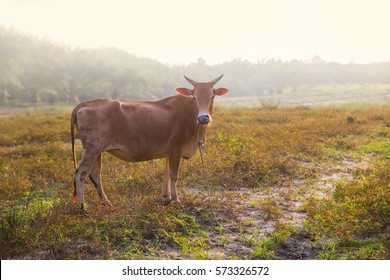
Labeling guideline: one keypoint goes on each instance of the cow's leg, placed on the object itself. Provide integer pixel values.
(95, 177)
(173, 162)
(167, 195)
(81, 173)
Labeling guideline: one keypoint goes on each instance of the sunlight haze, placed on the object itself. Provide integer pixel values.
(180, 32)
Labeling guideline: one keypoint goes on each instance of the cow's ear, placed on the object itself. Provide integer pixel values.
(185, 91)
(220, 91)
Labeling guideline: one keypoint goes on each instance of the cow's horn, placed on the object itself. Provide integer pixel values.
(213, 82)
(190, 81)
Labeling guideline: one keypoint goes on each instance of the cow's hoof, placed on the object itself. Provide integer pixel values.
(81, 210)
(166, 200)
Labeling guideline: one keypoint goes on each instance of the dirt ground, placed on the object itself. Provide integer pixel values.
(252, 224)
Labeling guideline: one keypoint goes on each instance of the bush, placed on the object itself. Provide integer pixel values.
(270, 103)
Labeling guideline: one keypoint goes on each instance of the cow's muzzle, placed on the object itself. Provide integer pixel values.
(204, 119)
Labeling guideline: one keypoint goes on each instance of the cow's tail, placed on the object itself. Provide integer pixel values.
(72, 124)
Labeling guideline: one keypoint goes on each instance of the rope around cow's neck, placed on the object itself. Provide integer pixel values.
(200, 143)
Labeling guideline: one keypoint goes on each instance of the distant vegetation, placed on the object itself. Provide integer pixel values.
(39, 71)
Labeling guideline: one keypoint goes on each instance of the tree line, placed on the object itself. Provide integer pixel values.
(39, 71)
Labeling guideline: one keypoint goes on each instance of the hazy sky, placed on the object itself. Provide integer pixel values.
(181, 31)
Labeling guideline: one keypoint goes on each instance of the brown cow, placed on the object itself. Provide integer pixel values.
(170, 128)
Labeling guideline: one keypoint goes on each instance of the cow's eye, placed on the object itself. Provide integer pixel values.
(212, 98)
(194, 98)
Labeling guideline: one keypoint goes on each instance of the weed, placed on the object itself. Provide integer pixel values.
(265, 248)
(366, 249)
(268, 207)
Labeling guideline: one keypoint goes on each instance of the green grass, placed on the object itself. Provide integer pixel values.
(261, 166)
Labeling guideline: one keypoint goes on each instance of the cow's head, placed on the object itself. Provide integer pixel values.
(203, 94)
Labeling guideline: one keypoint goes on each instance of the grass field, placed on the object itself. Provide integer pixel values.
(316, 95)
(291, 183)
